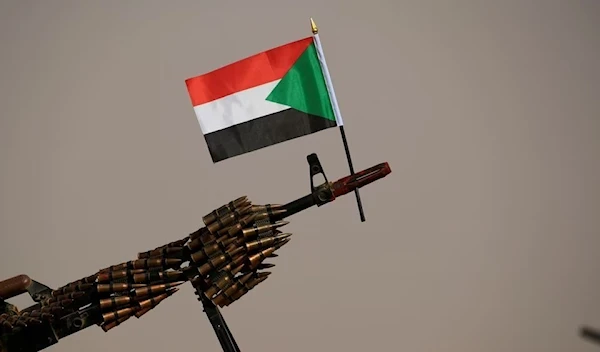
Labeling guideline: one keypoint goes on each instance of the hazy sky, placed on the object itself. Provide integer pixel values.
(486, 236)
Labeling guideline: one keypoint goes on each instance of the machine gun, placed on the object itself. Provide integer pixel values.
(223, 261)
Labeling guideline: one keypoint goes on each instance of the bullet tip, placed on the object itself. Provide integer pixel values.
(282, 243)
(266, 265)
(281, 223)
(261, 279)
(283, 236)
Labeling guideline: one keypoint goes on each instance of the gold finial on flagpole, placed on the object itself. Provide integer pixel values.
(313, 26)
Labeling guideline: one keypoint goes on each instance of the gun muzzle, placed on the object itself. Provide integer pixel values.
(350, 183)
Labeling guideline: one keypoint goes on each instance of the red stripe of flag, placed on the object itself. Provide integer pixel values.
(247, 73)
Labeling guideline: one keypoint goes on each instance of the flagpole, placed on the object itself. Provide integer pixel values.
(336, 109)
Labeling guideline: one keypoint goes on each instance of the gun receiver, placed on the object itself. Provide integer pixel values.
(223, 261)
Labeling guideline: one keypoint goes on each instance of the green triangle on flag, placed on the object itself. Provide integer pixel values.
(268, 98)
(303, 87)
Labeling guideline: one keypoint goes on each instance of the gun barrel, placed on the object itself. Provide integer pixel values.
(329, 191)
(360, 179)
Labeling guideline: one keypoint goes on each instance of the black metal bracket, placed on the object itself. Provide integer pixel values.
(218, 323)
(322, 192)
(315, 169)
(38, 291)
(224, 335)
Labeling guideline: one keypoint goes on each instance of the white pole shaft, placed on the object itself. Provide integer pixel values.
(328, 83)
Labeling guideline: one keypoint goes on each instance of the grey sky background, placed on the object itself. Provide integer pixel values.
(486, 236)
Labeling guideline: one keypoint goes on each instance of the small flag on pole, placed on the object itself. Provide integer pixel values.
(265, 99)
(336, 109)
(268, 98)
